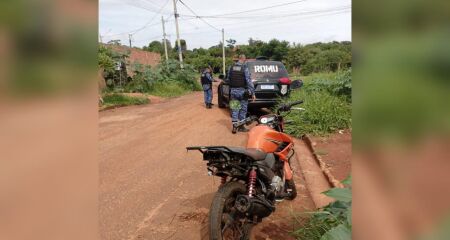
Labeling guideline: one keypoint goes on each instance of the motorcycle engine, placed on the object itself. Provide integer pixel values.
(277, 185)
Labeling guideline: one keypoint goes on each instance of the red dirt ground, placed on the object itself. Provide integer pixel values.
(336, 151)
(150, 188)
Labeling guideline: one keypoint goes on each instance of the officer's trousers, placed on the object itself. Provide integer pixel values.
(208, 94)
(240, 105)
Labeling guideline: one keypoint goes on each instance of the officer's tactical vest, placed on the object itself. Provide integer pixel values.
(204, 80)
(237, 77)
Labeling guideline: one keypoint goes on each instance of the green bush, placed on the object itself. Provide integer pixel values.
(324, 113)
(152, 80)
(116, 99)
(332, 222)
(327, 104)
(339, 84)
(106, 59)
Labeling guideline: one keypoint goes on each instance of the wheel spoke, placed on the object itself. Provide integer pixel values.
(232, 223)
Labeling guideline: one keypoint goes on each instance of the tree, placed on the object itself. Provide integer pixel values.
(108, 60)
(155, 46)
(319, 57)
(105, 59)
(183, 45)
(114, 42)
(278, 49)
(231, 43)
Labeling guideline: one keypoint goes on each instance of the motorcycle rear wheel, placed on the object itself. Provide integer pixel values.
(224, 223)
(290, 184)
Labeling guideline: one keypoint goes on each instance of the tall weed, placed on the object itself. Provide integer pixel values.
(327, 104)
(338, 84)
(168, 89)
(152, 80)
(117, 99)
(324, 113)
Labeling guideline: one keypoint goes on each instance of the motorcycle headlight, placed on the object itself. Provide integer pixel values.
(263, 120)
(284, 89)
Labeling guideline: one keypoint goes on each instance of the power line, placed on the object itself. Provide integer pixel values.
(125, 33)
(296, 17)
(144, 7)
(132, 32)
(203, 20)
(271, 17)
(151, 20)
(129, 32)
(264, 8)
(254, 10)
(304, 13)
(190, 23)
(270, 21)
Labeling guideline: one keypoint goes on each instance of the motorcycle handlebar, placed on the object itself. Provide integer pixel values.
(296, 103)
(287, 107)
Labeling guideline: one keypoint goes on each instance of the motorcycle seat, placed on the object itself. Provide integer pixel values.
(253, 153)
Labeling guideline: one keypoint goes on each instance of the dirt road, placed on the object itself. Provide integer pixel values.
(151, 188)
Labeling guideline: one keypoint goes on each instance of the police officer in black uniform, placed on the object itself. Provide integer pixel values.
(241, 89)
(206, 80)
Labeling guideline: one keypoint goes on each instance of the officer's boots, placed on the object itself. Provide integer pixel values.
(242, 129)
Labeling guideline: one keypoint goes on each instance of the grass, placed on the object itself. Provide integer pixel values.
(324, 113)
(169, 89)
(324, 75)
(117, 100)
(327, 106)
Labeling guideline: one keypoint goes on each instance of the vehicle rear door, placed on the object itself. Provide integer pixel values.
(266, 77)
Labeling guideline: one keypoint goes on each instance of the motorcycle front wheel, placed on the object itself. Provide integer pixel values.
(224, 221)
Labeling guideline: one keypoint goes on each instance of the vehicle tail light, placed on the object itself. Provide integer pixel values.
(285, 81)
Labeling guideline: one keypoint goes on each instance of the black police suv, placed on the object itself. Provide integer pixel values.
(270, 79)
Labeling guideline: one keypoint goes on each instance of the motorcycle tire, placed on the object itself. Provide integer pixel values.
(224, 201)
(291, 185)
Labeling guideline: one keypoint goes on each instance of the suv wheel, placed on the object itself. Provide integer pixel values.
(220, 100)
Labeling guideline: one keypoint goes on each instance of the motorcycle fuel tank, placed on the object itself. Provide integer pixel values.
(266, 139)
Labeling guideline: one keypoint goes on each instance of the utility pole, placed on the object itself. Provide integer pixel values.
(223, 50)
(129, 38)
(165, 41)
(178, 32)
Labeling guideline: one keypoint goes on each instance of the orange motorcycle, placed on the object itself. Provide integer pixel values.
(253, 179)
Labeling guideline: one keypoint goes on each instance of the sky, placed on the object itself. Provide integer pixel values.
(301, 22)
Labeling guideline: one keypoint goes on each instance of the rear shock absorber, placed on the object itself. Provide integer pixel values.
(251, 183)
(223, 180)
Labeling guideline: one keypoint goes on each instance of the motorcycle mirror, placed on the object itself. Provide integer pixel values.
(221, 76)
(296, 84)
